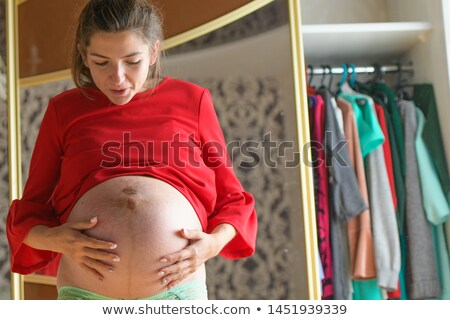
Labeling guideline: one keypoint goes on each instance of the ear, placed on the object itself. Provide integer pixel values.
(155, 52)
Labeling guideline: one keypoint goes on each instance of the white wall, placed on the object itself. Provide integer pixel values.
(430, 57)
(343, 11)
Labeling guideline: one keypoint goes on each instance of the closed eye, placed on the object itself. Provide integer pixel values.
(134, 62)
(101, 63)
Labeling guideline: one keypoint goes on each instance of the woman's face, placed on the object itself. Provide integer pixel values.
(119, 64)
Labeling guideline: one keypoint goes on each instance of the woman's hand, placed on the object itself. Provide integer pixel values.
(88, 252)
(202, 247)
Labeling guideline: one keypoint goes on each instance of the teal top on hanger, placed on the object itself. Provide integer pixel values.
(369, 130)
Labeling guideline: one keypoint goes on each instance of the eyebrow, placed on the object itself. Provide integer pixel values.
(101, 56)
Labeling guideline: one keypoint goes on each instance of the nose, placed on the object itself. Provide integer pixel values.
(117, 74)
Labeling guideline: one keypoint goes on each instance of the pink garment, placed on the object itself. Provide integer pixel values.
(360, 238)
(317, 126)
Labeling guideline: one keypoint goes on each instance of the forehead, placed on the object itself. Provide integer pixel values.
(120, 42)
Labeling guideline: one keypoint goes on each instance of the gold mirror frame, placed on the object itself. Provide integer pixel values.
(299, 81)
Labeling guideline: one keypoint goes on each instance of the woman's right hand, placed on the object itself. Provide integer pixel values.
(90, 253)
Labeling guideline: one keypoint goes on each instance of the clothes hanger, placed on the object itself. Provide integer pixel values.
(344, 75)
(378, 78)
(324, 75)
(352, 75)
(330, 81)
(352, 82)
(311, 74)
(327, 71)
(343, 78)
(402, 84)
(378, 73)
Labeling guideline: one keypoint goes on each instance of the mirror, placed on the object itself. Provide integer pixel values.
(261, 109)
(255, 70)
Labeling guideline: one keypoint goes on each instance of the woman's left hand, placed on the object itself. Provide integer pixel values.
(202, 247)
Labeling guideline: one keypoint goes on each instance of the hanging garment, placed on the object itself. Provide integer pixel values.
(317, 124)
(345, 197)
(395, 132)
(386, 237)
(370, 134)
(425, 100)
(435, 204)
(338, 114)
(359, 228)
(320, 269)
(388, 160)
(447, 235)
(395, 117)
(385, 230)
(422, 280)
(442, 260)
(387, 151)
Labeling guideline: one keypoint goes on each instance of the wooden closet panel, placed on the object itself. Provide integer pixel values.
(47, 28)
(37, 291)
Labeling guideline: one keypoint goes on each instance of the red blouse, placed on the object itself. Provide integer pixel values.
(170, 132)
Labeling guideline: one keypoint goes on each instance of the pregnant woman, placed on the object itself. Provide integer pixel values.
(130, 184)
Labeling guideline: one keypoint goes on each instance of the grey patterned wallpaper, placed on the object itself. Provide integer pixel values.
(253, 278)
(269, 17)
(248, 108)
(2, 30)
(4, 251)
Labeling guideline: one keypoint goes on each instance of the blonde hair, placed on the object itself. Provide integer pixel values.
(116, 16)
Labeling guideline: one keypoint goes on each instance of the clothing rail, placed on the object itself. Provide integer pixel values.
(366, 69)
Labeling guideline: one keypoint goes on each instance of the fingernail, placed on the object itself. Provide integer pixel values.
(110, 269)
(113, 246)
(164, 281)
(116, 259)
(161, 273)
(163, 260)
(185, 232)
(93, 219)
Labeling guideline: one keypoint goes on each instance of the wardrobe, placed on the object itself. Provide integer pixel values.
(389, 31)
(408, 39)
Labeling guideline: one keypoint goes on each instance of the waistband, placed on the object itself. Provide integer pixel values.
(191, 290)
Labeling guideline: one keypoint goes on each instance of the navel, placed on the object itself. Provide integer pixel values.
(131, 203)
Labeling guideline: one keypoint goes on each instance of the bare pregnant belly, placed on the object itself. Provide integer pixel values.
(143, 216)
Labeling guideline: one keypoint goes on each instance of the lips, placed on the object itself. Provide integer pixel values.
(120, 92)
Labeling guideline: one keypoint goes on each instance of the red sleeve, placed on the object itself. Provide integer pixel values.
(233, 205)
(35, 207)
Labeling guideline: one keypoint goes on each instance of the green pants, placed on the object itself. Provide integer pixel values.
(193, 290)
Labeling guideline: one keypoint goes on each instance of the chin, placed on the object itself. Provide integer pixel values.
(120, 101)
